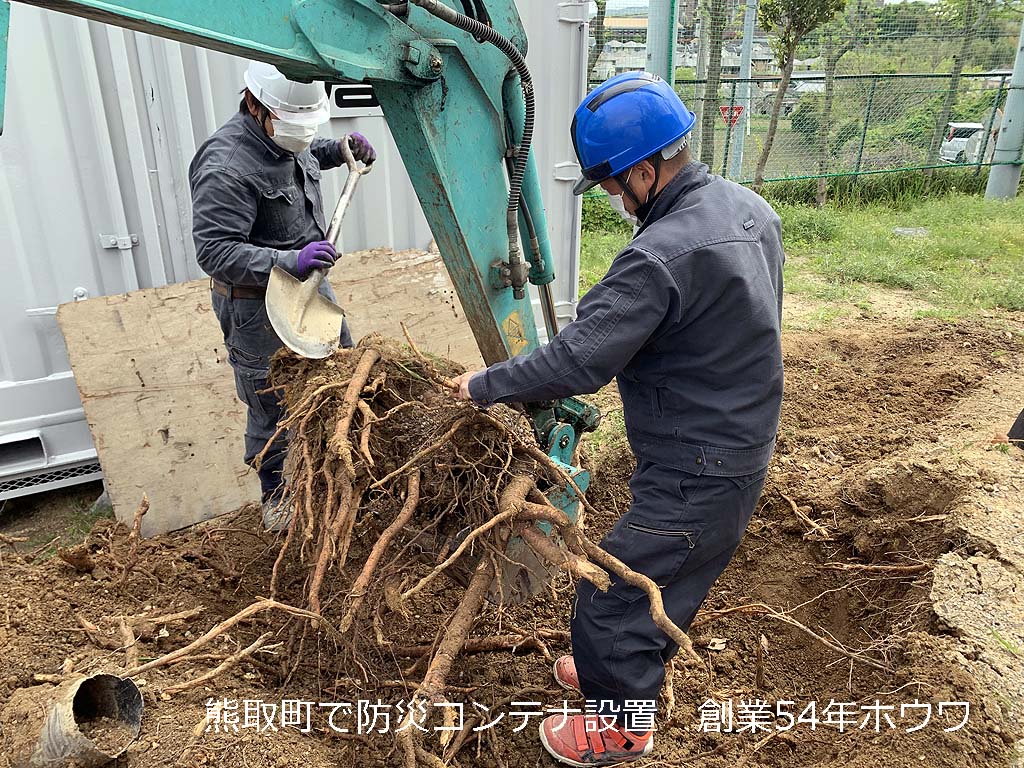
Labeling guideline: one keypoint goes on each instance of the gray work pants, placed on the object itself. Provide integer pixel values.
(251, 341)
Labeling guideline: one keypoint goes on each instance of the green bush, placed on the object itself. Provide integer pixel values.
(802, 223)
(806, 119)
(897, 189)
(599, 216)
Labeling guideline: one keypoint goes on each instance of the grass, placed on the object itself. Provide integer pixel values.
(79, 522)
(1006, 643)
(68, 514)
(597, 249)
(969, 258)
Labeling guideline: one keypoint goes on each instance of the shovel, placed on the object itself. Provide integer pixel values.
(308, 323)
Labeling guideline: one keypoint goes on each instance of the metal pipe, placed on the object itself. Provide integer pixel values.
(701, 84)
(867, 119)
(746, 59)
(52, 735)
(729, 127)
(661, 26)
(547, 306)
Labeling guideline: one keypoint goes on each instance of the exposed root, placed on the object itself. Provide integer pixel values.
(760, 609)
(436, 446)
(224, 666)
(386, 465)
(131, 648)
(576, 566)
(412, 497)
(817, 532)
(221, 628)
(915, 568)
(133, 540)
(479, 645)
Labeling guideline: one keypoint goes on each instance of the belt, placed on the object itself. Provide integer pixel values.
(237, 291)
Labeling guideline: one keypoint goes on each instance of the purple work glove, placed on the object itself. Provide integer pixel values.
(318, 255)
(362, 150)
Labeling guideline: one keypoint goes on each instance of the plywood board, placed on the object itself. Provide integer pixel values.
(159, 397)
(380, 289)
(159, 394)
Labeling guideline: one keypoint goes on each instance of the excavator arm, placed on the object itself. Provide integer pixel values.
(450, 102)
(457, 97)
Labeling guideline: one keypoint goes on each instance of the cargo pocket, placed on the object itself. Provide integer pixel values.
(248, 382)
(252, 341)
(655, 548)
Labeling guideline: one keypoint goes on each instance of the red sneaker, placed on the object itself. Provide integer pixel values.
(565, 673)
(568, 740)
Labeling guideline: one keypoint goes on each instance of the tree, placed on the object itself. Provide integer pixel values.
(715, 25)
(851, 27)
(968, 17)
(600, 34)
(791, 21)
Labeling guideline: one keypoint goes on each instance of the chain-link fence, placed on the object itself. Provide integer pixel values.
(861, 92)
(859, 124)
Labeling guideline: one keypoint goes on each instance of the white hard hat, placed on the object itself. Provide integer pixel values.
(293, 102)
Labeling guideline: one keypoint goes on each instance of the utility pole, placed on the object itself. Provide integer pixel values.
(746, 56)
(662, 33)
(702, 74)
(1004, 179)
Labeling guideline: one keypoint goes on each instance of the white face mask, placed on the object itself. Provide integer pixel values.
(292, 137)
(620, 208)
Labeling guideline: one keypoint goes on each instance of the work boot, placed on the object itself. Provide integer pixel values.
(277, 513)
(578, 740)
(565, 673)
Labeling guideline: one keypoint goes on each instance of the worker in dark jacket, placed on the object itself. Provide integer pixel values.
(687, 319)
(256, 204)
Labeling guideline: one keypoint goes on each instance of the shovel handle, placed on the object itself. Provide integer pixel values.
(354, 172)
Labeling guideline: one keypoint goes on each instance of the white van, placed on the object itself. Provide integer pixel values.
(954, 146)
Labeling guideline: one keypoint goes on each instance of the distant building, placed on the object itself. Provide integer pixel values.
(618, 57)
(626, 51)
(633, 28)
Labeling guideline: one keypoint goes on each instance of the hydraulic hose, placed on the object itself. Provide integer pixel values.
(547, 301)
(489, 35)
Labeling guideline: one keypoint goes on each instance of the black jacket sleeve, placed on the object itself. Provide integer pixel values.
(614, 320)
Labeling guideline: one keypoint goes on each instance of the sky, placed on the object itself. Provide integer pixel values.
(619, 5)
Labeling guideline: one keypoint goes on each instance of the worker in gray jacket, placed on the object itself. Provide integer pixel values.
(687, 320)
(257, 203)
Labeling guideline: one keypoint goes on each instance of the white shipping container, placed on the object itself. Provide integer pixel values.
(100, 126)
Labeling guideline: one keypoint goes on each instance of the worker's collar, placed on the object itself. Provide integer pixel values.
(690, 177)
(256, 130)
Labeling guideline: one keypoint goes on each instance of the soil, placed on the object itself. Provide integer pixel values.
(107, 735)
(884, 443)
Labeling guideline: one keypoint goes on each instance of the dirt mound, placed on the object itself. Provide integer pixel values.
(852, 564)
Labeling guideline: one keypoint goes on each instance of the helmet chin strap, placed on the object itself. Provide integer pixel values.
(627, 190)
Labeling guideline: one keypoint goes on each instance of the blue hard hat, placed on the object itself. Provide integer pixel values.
(625, 120)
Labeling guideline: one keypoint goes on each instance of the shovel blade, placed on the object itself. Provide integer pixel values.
(308, 323)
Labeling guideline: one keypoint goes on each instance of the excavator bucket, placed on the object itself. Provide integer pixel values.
(522, 574)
